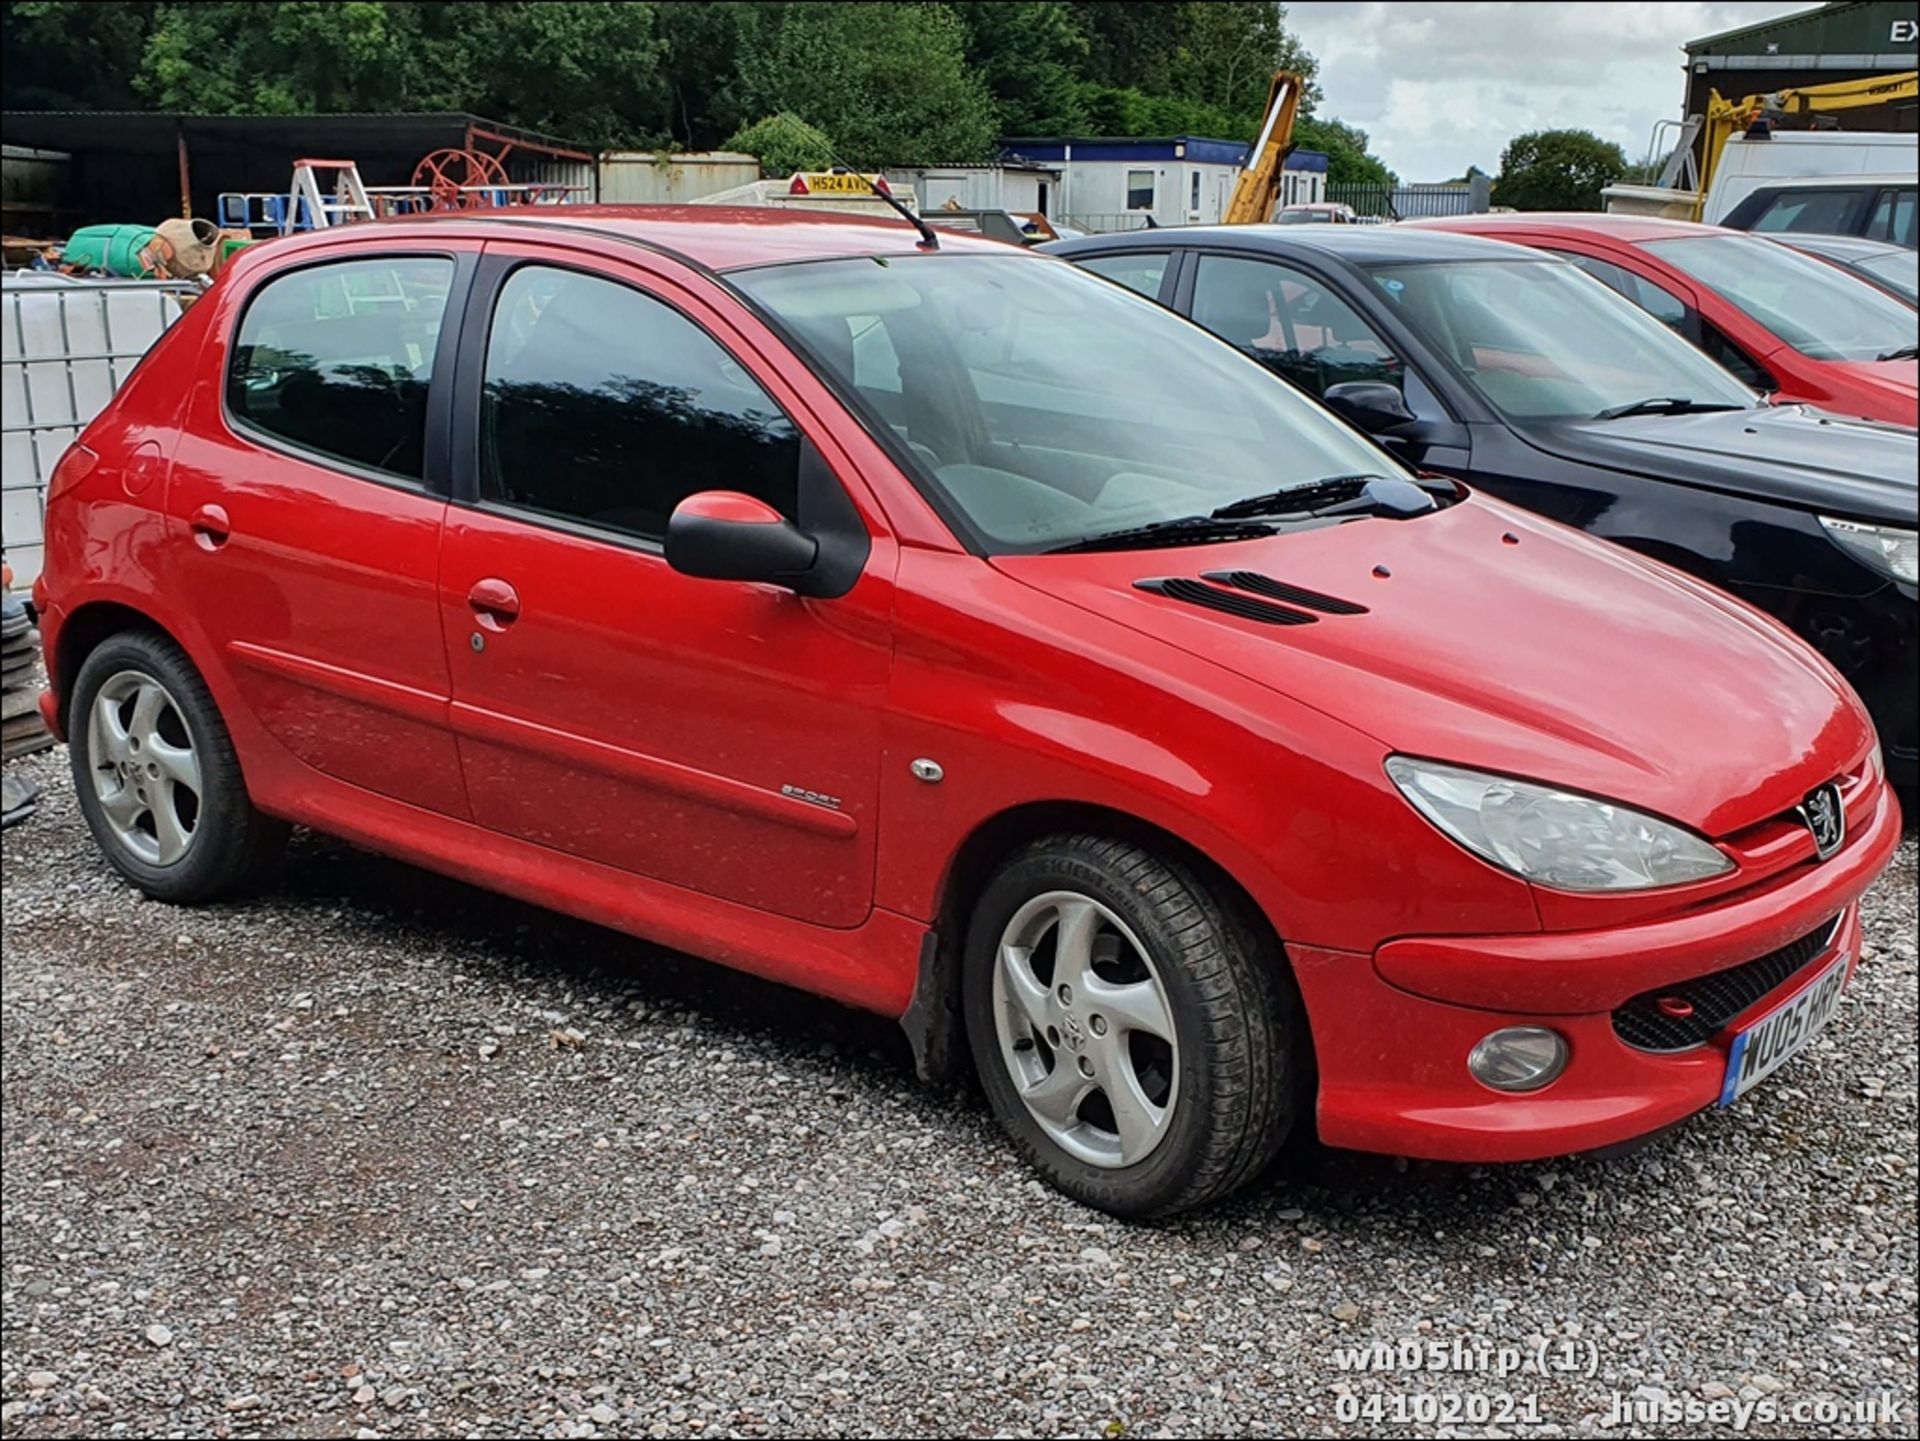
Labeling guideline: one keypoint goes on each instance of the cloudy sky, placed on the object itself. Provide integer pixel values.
(1440, 87)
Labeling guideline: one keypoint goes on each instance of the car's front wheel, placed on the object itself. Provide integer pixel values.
(1135, 1036)
(157, 776)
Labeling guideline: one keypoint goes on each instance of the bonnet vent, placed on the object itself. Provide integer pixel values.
(1227, 602)
(1272, 589)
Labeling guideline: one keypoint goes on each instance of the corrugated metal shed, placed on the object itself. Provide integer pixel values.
(1853, 39)
(1862, 32)
(136, 165)
(663, 177)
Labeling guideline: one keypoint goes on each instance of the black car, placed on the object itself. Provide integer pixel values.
(1514, 371)
(1875, 208)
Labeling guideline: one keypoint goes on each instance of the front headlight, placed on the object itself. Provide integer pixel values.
(1574, 843)
(1888, 549)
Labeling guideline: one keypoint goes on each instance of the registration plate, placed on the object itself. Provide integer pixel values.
(829, 183)
(1781, 1034)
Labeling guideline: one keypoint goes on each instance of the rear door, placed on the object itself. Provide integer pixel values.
(305, 509)
(715, 736)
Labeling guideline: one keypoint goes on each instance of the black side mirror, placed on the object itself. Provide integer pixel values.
(724, 535)
(1372, 405)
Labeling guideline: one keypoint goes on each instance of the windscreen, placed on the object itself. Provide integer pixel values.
(1897, 268)
(1821, 312)
(1048, 406)
(1541, 340)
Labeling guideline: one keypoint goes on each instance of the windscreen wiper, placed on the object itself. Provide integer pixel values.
(1186, 530)
(1389, 495)
(1666, 405)
(1905, 352)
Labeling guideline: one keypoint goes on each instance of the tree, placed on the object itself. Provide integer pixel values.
(702, 43)
(784, 143)
(1557, 170)
(1349, 162)
(888, 81)
(1029, 56)
(589, 71)
(1128, 44)
(891, 83)
(234, 59)
(1227, 53)
(1648, 171)
(1219, 54)
(1112, 110)
(72, 54)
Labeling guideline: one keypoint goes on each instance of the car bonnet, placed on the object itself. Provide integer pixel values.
(1490, 637)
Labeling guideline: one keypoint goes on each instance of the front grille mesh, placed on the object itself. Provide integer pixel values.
(1716, 997)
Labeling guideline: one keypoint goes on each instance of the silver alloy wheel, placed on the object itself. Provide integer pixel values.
(1085, 1029)
(145, 773)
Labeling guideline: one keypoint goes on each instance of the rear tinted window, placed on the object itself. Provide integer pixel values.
(336, 359)
(1143, 273)
(1813, 212)
(1894, 218)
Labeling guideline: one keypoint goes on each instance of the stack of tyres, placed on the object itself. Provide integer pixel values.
(21, 730)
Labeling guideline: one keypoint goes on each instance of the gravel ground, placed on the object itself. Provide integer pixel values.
(382, 1155)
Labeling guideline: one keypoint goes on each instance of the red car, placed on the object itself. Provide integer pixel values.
(1785, 323)
(939, 627)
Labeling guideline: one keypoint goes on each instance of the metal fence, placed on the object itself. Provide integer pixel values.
(65, 347)
(1097, 223)
(1411, 202)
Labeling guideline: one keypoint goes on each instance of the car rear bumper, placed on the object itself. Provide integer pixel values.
(50, 618)
(1392, 1030)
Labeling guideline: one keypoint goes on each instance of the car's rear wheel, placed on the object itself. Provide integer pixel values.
(157, 776)
(1135, 1035)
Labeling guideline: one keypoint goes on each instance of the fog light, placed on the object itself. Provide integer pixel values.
(1520, 1058)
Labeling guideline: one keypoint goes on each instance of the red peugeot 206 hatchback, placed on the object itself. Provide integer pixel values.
(1765, 311)
(944, 629)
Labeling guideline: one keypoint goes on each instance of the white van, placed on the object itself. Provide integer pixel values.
(1747, 164)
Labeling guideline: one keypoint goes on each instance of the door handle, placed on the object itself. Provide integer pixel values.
(496, 605)
(210, 527)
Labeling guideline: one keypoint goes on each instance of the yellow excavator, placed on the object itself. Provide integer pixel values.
(1724, 117)
(1259, 187)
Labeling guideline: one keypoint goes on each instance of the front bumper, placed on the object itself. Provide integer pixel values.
(1392, 1031)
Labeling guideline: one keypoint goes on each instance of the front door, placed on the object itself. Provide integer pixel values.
(716, 736)
(1299, 327)
(304, 515)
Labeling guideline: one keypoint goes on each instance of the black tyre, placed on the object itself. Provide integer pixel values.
(157, 778)
(1137, 1038)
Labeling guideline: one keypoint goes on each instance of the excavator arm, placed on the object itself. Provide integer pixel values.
(1259, 185)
